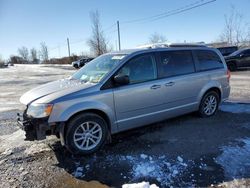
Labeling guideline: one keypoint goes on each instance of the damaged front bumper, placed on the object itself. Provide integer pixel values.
(35, 128)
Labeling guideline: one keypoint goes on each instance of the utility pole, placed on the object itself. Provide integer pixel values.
(119, 39)
(68, 46)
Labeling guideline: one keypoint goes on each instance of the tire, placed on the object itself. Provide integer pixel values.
(86, 133)
(76, 66)
(232, 66)
(209, 104)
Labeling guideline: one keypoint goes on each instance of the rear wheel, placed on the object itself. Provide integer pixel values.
(86, 133)
(232, 66)
(209, 104)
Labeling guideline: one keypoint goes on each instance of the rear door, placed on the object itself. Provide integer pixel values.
(181, 84)
(210, 68)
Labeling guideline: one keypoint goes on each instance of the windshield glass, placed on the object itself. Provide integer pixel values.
(96, 69)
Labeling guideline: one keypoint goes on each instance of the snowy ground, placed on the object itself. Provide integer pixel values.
(183, 152)
(240, 82)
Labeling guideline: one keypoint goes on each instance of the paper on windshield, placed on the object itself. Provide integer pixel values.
(118, 57)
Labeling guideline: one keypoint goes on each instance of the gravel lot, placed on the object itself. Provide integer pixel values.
(181, 152)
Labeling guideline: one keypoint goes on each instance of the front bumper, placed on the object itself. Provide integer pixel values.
(35, 128)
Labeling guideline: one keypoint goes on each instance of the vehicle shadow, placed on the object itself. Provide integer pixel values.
(178, 152)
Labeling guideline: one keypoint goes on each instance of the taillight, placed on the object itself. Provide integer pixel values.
(228, 75)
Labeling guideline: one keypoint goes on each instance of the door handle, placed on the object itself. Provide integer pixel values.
(155, 87)
(169, 84)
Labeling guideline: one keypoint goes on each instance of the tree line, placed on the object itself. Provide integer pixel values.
(236, 30)
(31, 56)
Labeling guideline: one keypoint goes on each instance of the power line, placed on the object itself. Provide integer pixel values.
(171, 12)
(79, 41)
(110, 27)
(184, 10)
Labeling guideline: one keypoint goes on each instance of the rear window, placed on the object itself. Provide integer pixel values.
(247, 52)
(208, 60)
(174, 63)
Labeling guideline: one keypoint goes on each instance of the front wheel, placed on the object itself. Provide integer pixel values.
(209, 104)
(86, 133)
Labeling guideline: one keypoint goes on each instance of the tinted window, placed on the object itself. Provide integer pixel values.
(140, 69)
(208, 60)
(173, 63)
(227, 50)
(247, 53)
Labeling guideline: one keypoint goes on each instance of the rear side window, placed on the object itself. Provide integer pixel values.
(208, 60)
(174, 63)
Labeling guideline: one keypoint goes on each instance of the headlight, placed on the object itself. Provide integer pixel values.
(39, 110)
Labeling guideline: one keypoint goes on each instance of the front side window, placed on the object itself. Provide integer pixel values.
(140, 69)
(96, 69)
(174, 63)
(208, 60)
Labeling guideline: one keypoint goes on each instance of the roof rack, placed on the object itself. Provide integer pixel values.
(154, 45)
(199, 44)
(166, 45)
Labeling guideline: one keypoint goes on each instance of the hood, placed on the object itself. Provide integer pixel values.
(53, 87)
(229, 57)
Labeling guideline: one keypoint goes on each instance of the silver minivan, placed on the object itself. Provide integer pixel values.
(124, 90)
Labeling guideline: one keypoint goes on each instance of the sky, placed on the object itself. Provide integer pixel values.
(30, 22)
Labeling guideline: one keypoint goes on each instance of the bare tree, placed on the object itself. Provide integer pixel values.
(33, 54)
(157, 38)
(44, 53)
(24, 53)
(236, 31)
(97, 42)
(1, 61)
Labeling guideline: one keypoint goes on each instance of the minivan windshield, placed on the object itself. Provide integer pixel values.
(96, 69)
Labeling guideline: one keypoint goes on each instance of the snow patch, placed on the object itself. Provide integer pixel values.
(37, 148)
(235, 160)
(12, 142)
(235, 108)
(78, 172)
(236, 183)
(146, 169)
(143, 156)
(140, 185)
(165, 171)
(157, 167)
(179, 159)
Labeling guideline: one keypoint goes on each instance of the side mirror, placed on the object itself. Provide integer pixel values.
(121, 79)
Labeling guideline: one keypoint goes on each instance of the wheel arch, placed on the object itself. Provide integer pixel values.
(211, 87)
(94, 111)
(64, 126)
